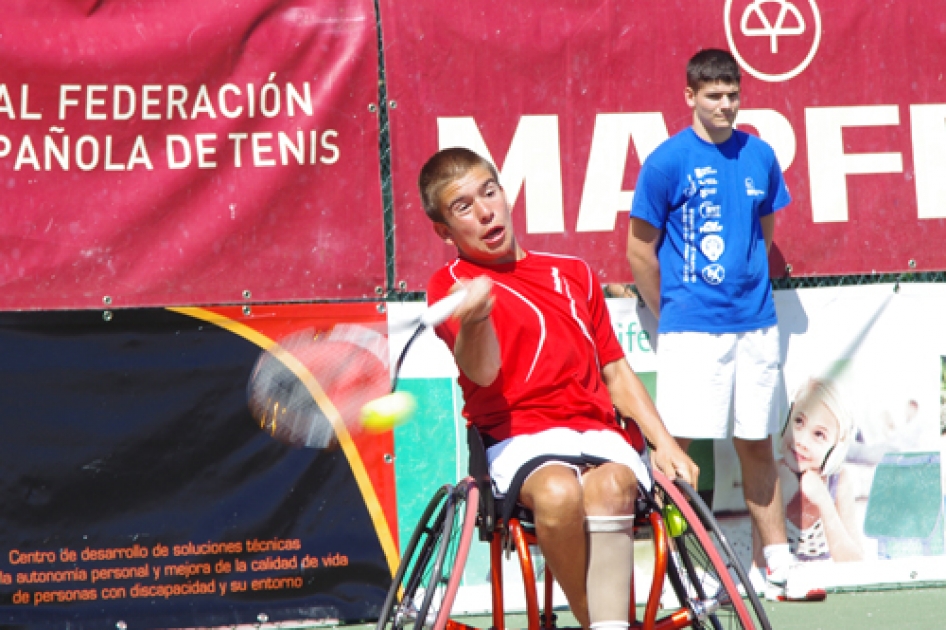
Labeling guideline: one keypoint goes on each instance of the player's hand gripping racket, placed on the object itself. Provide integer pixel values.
(309, 386)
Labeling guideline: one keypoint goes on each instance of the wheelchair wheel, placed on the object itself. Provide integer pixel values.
(401, 608)
(457, 548)
(703, 571)
(428, 575)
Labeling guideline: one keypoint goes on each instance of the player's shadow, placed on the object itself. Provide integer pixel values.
(648, 322)
(792, 319)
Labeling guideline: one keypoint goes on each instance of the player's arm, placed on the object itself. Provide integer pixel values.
(642, 239)
(768, 229)
(476, 350)
(777, 198)
(632, 400)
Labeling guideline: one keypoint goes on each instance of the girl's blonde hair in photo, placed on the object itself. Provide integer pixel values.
(813, 391)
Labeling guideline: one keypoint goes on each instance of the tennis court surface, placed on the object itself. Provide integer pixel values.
(917, 608)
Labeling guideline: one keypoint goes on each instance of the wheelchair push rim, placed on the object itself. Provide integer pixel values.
(428, 576)
(703, 570)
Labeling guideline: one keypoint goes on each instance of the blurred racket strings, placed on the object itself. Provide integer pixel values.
(308, 387)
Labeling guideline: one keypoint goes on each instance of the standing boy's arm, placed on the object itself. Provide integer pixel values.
(632, 400)
(477, 350)
(768, 229)
(642, 238)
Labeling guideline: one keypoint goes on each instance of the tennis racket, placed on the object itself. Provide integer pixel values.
(310, 386)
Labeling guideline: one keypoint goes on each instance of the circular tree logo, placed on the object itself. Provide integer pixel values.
(773, 40)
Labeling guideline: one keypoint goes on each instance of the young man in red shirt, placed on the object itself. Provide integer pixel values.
(542, 374)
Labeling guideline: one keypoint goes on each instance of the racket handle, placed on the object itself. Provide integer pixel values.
(438, 312)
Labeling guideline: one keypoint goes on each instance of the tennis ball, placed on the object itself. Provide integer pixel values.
(385, 413)
(674, 521)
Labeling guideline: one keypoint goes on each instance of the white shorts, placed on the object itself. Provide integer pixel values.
(705, 380)
(508, 456)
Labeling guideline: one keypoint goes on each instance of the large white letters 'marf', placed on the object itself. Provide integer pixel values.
(602, 197)
(928, 127)
(534, 157)
(828, 164)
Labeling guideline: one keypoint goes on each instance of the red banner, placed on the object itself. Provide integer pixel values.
(568, 98)
(181, 152)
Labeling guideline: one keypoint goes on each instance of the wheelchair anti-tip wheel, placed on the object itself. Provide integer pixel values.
(703, 571)
(428, 576)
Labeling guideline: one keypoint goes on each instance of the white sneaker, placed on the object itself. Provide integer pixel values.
(789, 584)
(756, 581)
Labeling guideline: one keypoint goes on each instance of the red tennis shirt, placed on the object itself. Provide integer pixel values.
(555, 335)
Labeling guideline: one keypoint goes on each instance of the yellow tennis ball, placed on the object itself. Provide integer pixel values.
(385, 413)
(674, 521)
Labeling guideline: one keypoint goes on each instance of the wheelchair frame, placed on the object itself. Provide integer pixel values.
(698, 562)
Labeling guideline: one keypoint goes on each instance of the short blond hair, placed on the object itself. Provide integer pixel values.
(443, 167)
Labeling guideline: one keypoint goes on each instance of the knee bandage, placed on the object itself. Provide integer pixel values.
(610, 563)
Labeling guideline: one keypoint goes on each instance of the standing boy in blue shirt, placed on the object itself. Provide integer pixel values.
(701, 225)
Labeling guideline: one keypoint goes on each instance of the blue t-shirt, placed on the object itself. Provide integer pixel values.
(707, 198)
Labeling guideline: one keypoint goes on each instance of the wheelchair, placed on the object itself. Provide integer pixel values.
(690, 551)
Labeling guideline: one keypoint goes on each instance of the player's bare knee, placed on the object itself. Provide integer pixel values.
(553, 492)
(616, 479)
(610, 489)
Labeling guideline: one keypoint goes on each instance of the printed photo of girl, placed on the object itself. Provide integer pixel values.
(818, 491)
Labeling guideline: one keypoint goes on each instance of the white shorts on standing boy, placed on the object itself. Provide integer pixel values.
(706, 380)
